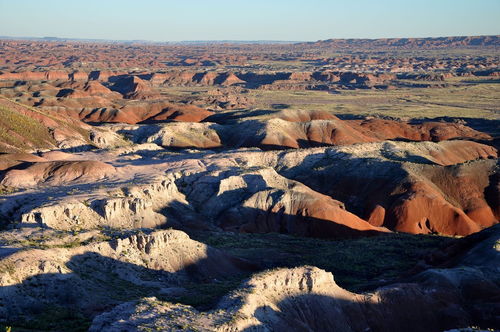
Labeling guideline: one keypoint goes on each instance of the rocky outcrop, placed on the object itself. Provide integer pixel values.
(262, 201)
(91, 277)
(416, 196)
(322, 192)
(132, 87)
(307, 298)
(174, 135)
(130, 207)
(286, 132)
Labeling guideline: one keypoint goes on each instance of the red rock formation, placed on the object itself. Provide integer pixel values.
(141, 112)
(277, 133)
(377, 216)
(416, 198)
(94, 88)
(300, 76)
(79, 76)
(230, 79)
(133, 87)
(426, 131)
(456, 152)
(423, 210)
(207, 78)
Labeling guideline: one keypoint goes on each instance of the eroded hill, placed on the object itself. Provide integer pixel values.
(250, 187)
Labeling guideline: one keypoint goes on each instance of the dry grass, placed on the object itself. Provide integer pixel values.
(22, 132)
(459, 99)
(465, 100)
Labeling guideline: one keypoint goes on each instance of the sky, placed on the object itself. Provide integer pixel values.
(290, 20)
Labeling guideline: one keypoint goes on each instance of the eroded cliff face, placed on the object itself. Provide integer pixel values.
(222, 187)
(96, 275)
(128, 207)
(342, 191)
(307, 298)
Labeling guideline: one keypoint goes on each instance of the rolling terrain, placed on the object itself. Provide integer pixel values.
(348, 185)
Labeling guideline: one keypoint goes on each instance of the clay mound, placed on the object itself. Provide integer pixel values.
(57, 173)
(304, 116)
(400, 186)
(26, 129)
(424, 210)
(94, 88)
(299, 212)
(470, 187)
(68, 93)
(182, 78)
(180, 113)
(306, 298)
(141, 112)
(455, 152)
(207, 78)
(132, 87)
(426, 131)
(35, 76)
(282, 134)
(288, 130)
(8, 160)
(157, 79)
(230, 79)
(177, 135)
(89, 89)
(55, 156)
(262, 201)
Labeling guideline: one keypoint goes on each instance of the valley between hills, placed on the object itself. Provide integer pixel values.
(340, 185)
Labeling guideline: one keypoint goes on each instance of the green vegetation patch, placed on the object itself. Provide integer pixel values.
(204, 295)
(53, 318)
(357, 264)
(22, 132)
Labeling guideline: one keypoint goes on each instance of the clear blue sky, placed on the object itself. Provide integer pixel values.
(174, 20)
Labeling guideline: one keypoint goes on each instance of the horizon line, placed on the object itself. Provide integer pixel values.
(195, 41)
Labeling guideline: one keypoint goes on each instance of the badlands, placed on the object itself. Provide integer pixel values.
(341, 185)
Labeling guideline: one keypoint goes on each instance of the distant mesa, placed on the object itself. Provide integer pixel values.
(439, 42)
